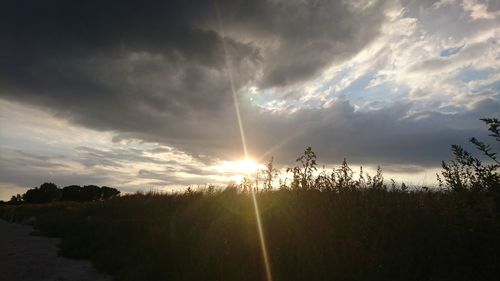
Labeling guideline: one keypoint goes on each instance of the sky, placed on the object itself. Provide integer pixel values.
(145, 95)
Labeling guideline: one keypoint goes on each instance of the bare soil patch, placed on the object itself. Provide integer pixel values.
(26, 257)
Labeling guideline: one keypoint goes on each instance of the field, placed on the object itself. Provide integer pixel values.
(355, 234)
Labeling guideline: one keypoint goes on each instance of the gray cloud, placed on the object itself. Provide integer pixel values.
(166, 177)
(21, 170)
(314, 34)
(26, 170)
(156, 72)
(32, 160)
(91, 157)
(159, 68)
(393, 135)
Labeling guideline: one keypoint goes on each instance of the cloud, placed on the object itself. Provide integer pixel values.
(392, 134)
(90, 157)
(26, 159)
(401, 141)
(312, 35)
(156, 71)
(24, 170)
(478, 10)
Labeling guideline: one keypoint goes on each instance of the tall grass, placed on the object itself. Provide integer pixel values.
(322, 225)
(311, 234)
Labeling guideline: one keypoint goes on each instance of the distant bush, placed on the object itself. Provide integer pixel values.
(49, 192)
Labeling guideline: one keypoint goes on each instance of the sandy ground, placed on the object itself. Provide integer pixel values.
(24, 257)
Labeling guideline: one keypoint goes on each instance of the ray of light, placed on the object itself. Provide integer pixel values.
(279, 145)
(244, 144)
(261, 236)
(231, 81)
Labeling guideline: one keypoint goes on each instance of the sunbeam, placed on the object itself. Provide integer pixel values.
(244, 144)
(261, 236)
(280, 144)
(231, 81)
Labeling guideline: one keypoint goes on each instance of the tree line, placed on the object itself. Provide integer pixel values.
(49, 192)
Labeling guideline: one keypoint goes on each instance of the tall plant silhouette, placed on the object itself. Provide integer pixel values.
(469, 173)
(303, 175)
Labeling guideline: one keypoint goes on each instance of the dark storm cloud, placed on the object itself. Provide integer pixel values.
(314, 34)
(155, 70)
(392, 135)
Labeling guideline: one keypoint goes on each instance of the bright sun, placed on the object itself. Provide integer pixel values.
(244, 166)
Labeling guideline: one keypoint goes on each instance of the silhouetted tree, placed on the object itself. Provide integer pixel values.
(72, 193)
(109, 192)
(16, 199)
(47, 192)
(91, 193)
(31, 195)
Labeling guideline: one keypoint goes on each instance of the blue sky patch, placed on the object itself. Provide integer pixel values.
(450, 51)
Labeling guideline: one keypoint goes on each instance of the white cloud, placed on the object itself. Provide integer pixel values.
(478, 10)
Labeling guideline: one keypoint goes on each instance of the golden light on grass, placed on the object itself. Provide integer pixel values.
(248, 167)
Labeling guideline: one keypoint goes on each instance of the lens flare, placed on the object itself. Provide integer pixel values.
(244, 145)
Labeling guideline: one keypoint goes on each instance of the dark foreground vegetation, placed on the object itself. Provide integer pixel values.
(310, 234)
(320, 226)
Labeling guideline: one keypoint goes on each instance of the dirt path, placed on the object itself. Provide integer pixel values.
(27, 258)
